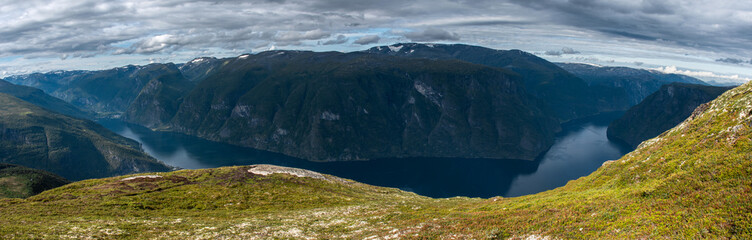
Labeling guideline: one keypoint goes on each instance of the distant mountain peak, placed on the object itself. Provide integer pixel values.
(200, 60)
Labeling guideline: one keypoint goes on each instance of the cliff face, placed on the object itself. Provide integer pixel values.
(660, 111)
(73, 148)
(335, 106)
(158, 100)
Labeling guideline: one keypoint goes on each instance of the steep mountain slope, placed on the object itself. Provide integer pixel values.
(565, 94)
(337, 106)
(691, 182)
(661, 111)
(198, 69)
(636, 84)
(39, 98)
(159, 99)
(73, 148)
(20, 182)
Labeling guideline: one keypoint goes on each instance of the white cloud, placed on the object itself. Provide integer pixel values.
(735, 78)
(294, 36)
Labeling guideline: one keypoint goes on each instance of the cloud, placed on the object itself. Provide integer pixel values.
(295, 36)
(697, 24)
(431, 34)
(368, 39)
(568, 50)
(78, 29)
(339, 40)
(730, 60)
(564, 50)
(734, 78)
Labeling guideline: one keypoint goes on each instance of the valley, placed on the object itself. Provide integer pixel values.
(406, 140)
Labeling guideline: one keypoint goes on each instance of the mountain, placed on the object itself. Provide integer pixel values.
(334, 106)
(39, 98)
(159, 99)
(47, 82)
(566, 95)
(661, 111)
(198, 69)
(20, 182)
(348, 106)
(73, 148)
(691, 182)
(107, 92)
(635, 84)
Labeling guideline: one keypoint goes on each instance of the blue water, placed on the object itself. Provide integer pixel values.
(579, 150)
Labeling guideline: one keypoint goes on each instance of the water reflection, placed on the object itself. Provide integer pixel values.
(580, 149)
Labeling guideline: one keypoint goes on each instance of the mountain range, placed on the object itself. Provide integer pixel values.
(403, 100)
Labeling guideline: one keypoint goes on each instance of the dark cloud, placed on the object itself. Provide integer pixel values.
(730, 60)
(432, 34)
(339, 40)
(564, 50)
(368, 39)
(568, 50)
(697, 24)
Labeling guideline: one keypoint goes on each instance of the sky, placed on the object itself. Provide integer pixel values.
(708, 39)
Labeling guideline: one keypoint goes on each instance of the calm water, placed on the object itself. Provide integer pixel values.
(579, 150)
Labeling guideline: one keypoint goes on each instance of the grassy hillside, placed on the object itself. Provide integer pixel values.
(73, 148)
(39, 98)
(691, 182)
(19, 182)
